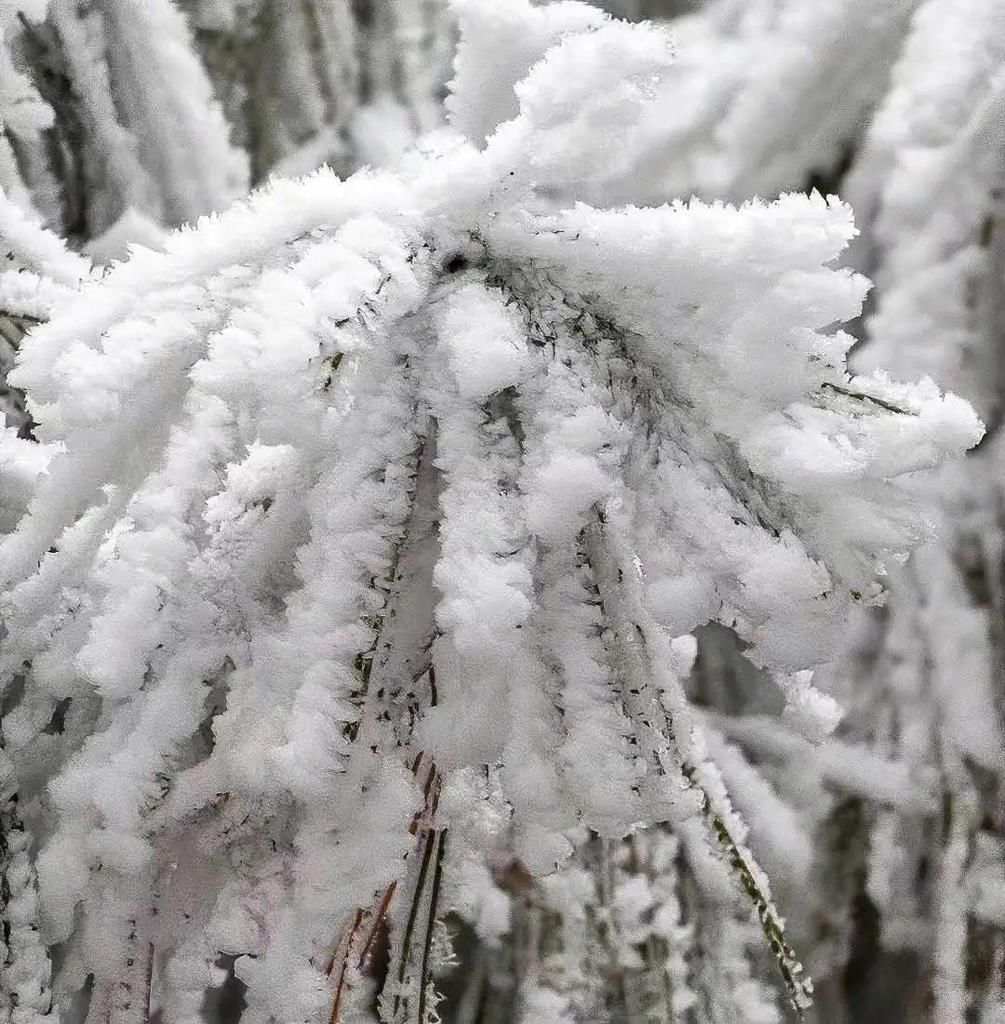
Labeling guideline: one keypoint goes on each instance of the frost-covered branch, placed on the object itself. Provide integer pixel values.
(362, 581)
